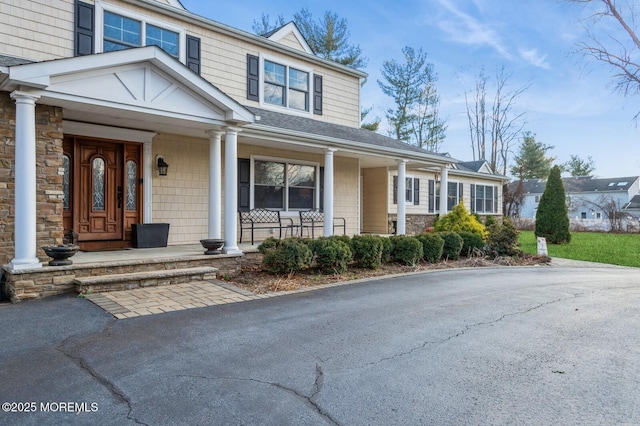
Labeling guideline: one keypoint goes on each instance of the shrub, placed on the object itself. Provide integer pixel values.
(386, 249)
(470, 241)
(268, 244)
(489, 221)
(332, 255)
(458, 220)
(432, 245)
(503, 240)
(406, 250)
(367, 250)
(289, 256)
(452, 245)
(552, 218)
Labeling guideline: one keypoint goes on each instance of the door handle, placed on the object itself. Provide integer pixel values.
(119, 196)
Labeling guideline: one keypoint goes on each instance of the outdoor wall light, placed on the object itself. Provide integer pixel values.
(162, 166)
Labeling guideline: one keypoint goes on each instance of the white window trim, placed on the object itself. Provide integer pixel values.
(287, 64)
(101, 7)
(286, 211)
(495, 204)
(410, 178)
(458, 196)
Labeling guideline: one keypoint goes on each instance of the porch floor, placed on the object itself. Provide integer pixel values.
(175, 251)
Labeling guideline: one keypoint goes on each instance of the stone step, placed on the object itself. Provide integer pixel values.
(128, 281)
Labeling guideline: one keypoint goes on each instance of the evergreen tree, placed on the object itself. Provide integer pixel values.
(578, 167)
(531, 160)
(328, 37)
(412, 86)
(552, 218)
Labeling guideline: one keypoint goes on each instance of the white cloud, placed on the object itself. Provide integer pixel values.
(466, 29)
(534, 58)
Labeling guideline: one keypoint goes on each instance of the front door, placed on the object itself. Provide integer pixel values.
(107, 191)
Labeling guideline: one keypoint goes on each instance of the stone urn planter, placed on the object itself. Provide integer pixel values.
(60, 254)
(213, 246)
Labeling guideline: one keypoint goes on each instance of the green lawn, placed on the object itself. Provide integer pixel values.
(615, 249)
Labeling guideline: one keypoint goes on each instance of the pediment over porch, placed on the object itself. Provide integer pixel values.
(140, 88)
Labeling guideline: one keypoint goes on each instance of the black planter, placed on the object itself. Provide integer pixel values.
(148, 235)
(213, 246)
(60, 254)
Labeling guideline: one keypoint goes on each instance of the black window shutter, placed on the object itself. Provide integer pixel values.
(317, 94)
(432, 196)
(416, 191)
(193, 54)
(321, 189)
(473, 198)
(460, 191)
(244, 184)
(84, 28)
(253, 78)
(395, 190)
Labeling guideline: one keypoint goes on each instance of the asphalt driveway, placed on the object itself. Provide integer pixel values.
(481, 346)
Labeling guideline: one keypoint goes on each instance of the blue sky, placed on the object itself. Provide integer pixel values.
(569, 104)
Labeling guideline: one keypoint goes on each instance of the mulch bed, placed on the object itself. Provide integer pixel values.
(256, 280)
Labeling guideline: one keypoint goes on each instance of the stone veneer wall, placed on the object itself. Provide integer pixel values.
(49, 227)
(415, 223)
(53, 280)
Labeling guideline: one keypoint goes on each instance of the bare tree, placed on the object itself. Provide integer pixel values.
(513, 198)
(612, 39)
(477, 116)
(500, 126)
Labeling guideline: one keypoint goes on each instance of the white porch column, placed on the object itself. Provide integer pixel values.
(25, 182)
(231, 192)
(215, 185)
(444, 197)
(328, 192)
(401, 217)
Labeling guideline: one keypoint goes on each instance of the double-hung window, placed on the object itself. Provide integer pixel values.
(123, 32)
(284, 185)
(411, 190)
(484, 198)
(286, 86)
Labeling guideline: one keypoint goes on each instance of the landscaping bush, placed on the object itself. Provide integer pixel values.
(432, 245)
(332, 255)
(503, 240)
(367, 250)
(268, 244)
(386, 249)
(458, 220)
(289, 256)
(470, 241)
(406, 250)
(452, 245)
(489, 221)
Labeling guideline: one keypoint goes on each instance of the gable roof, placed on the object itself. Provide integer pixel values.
(633, 204)
(355, 137)
(279, 35)
(144, 81)
(581, 184)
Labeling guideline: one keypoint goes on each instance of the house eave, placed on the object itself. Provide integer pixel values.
(323, 142)
(244, 36)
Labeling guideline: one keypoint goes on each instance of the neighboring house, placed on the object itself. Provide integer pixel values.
(95, 96)
(593, 203)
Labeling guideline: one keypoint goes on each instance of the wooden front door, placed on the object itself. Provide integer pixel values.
(106, 191)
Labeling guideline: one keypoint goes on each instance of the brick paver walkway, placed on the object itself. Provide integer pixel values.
(157, 300)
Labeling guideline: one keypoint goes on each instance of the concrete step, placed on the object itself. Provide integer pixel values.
(128, 281)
